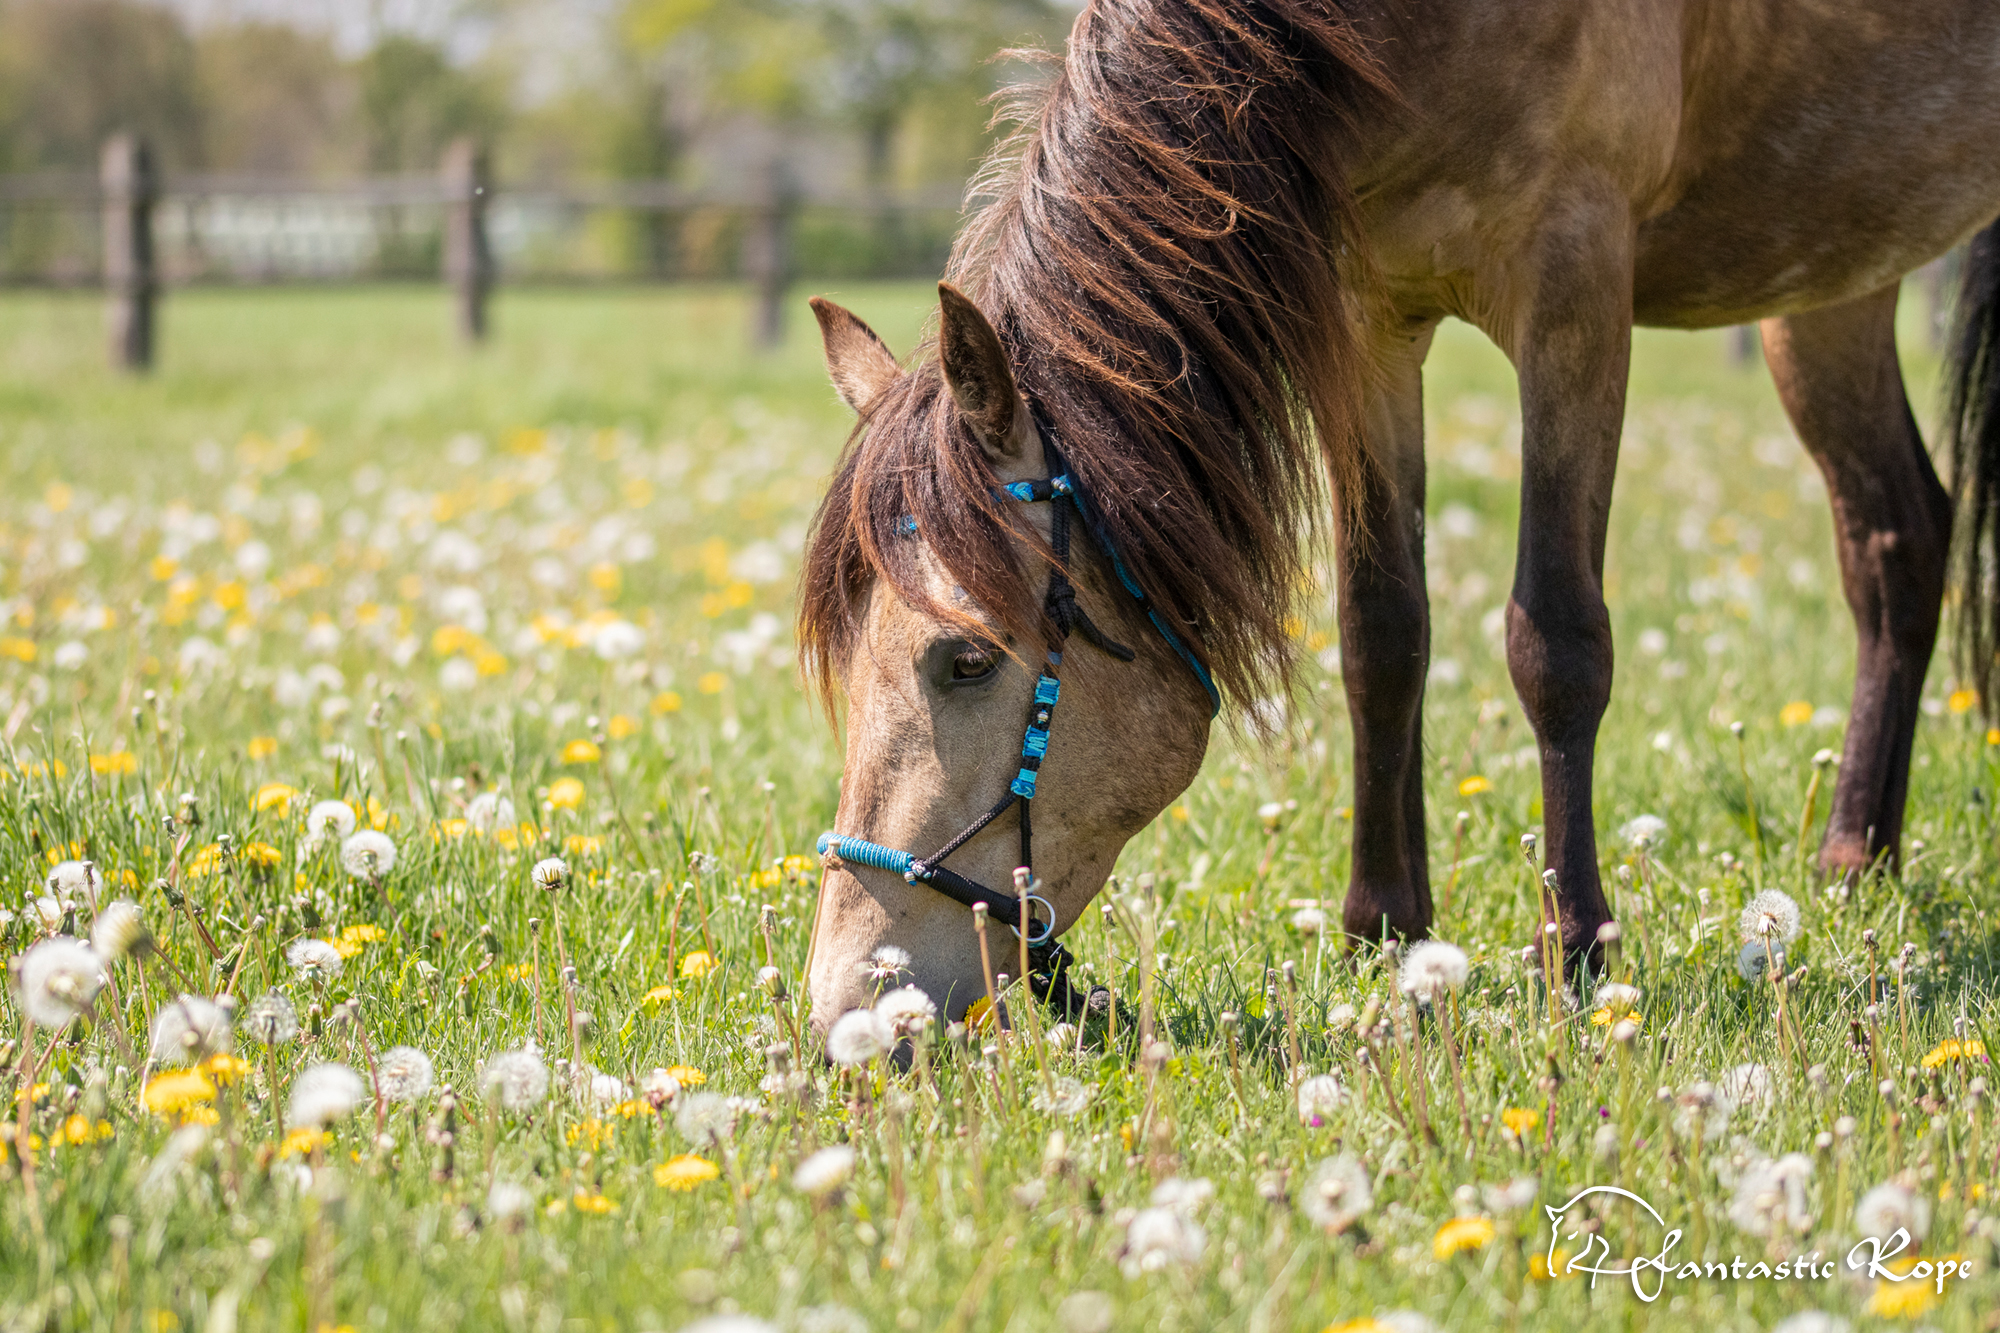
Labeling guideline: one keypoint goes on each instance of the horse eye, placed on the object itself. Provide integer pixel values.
(972, 662)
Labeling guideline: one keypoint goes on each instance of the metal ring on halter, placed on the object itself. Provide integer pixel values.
(1043, 936)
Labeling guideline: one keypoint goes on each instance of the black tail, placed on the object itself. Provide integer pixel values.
(1973, 419)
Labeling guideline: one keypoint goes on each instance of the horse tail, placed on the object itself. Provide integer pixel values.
(1972, 418)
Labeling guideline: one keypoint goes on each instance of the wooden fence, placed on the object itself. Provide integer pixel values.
(136, 231)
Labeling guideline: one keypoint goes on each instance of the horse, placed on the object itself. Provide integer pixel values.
(1184, 337)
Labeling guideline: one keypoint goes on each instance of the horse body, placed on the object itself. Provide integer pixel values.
(1548, 171)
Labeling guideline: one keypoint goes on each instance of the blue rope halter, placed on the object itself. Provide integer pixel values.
(1049, 960)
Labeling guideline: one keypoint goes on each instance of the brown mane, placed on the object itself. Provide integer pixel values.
(1160, 260)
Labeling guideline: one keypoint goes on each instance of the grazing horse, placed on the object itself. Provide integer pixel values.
(1198, 304)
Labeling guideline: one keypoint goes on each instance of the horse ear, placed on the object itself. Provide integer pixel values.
(982, 384)
(862, 366)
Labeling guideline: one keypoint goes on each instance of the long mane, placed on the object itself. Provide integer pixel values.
(1160, 258)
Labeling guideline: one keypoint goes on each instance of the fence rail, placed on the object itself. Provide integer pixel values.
(135, 231)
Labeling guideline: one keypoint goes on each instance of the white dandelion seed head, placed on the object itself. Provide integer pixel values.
(1309, 921)
(1433, 968)
(119, 929)
(1889, 1206)
(405, 1074)
(1319, 1097)
(517, 1080)
(74, 879)
(730, 1323)
(907, 1010)
(823, 1173)
(659, 1087)
(368, 854)
(1337, 1193)
(1157, 1239)
(1183, 1196)
(325, 1093)
(1747, 1086)
(1618, 997)
(59, 978)
(1812, 1321)
(607, 1089)
(1064, 1096)
(1643, 832)
(1754, 960)
(330, 819)
(1770, 915)
(886, 964)
(1771, 1196)
(507, 1201)
(550, 874)
(314, 960)
(189, 1029)
(858, 1036)
(830, 1319)
(1513, 1196)
(49, 913)
(489, 811)
(270, 1020)
(1407, 1321)
(705, 1117)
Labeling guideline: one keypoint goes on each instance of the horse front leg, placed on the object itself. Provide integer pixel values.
(1385, 655)
(1571, 337)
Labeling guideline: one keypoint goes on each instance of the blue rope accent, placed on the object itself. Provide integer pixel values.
(1037, 744)
(1047, 688)
(862, 852)
(1023, 785)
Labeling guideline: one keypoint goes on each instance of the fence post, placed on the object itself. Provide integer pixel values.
(468, 265)
(130, 185)
(767, 257)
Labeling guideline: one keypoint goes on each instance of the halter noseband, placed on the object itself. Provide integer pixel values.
(1048, 960)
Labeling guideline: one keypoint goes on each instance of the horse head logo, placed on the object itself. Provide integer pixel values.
(1588, 1250)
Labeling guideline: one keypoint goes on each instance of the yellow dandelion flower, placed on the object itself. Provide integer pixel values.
(1993, 735)
(272, 795)
(712, 682)
(21, 650)
(595, 1204)
(620, 726)
(685, 1172)
(1951, 1049)
(354, 939)
(979, 1014)
(77, 1130)
(176, 1091)
(565, 793)
(632, 1109)
(261, 855)
(302, 1141)
(1474, 785)
(581, 752)
(606, 578)
(1962, 701)
(667, 701)
(118, 763)
(1461, 1234)
(1541, 1270)
(162, 567)
(1361, 1325)
(449, 830)
(224, 1069)
(699, 964)
(686, 1075)
(263, 747)
(1603, 1017)
(162, 1321)
(1795, 714)
(1901, 1300)
(592, 1133)
(583, 844)
(1521, 1121)
(206, 859)
(661, 995)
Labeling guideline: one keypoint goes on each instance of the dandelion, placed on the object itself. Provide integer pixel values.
(858, 1036)
(698, 964)
(607, 1089)
(1952, 1049)
(1337, 1194)
(1521, 1121)
(706, 1117)
(565, 794)
(685, 1075)
(176, 1092)
(507, 1202)
(1745, 1085)
(59, 979)
(270, 1020)
(189, 1030)
(822, 1175)
(489, 811)
(120, 929)
(1642, 833)
(325, 1093)
(1460, 1235)
(1772, 916)
(685, 1172)
(368, 854)
(1900, 1299)
(907, 1010)
(317, 961)
(1512, 1197)
(1160, 1238)
(404, 1073)
(1432, 969)
(550, 874)
(1772, 1194)
(71, 880)
(335, 818)
(1309, 921)
(886, 964)
(1063, 1096)
(1891, 1207)
(1812, 1321)
(1318, 1098)
(515, 1080)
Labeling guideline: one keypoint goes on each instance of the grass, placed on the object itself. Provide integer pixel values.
(323, 547)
